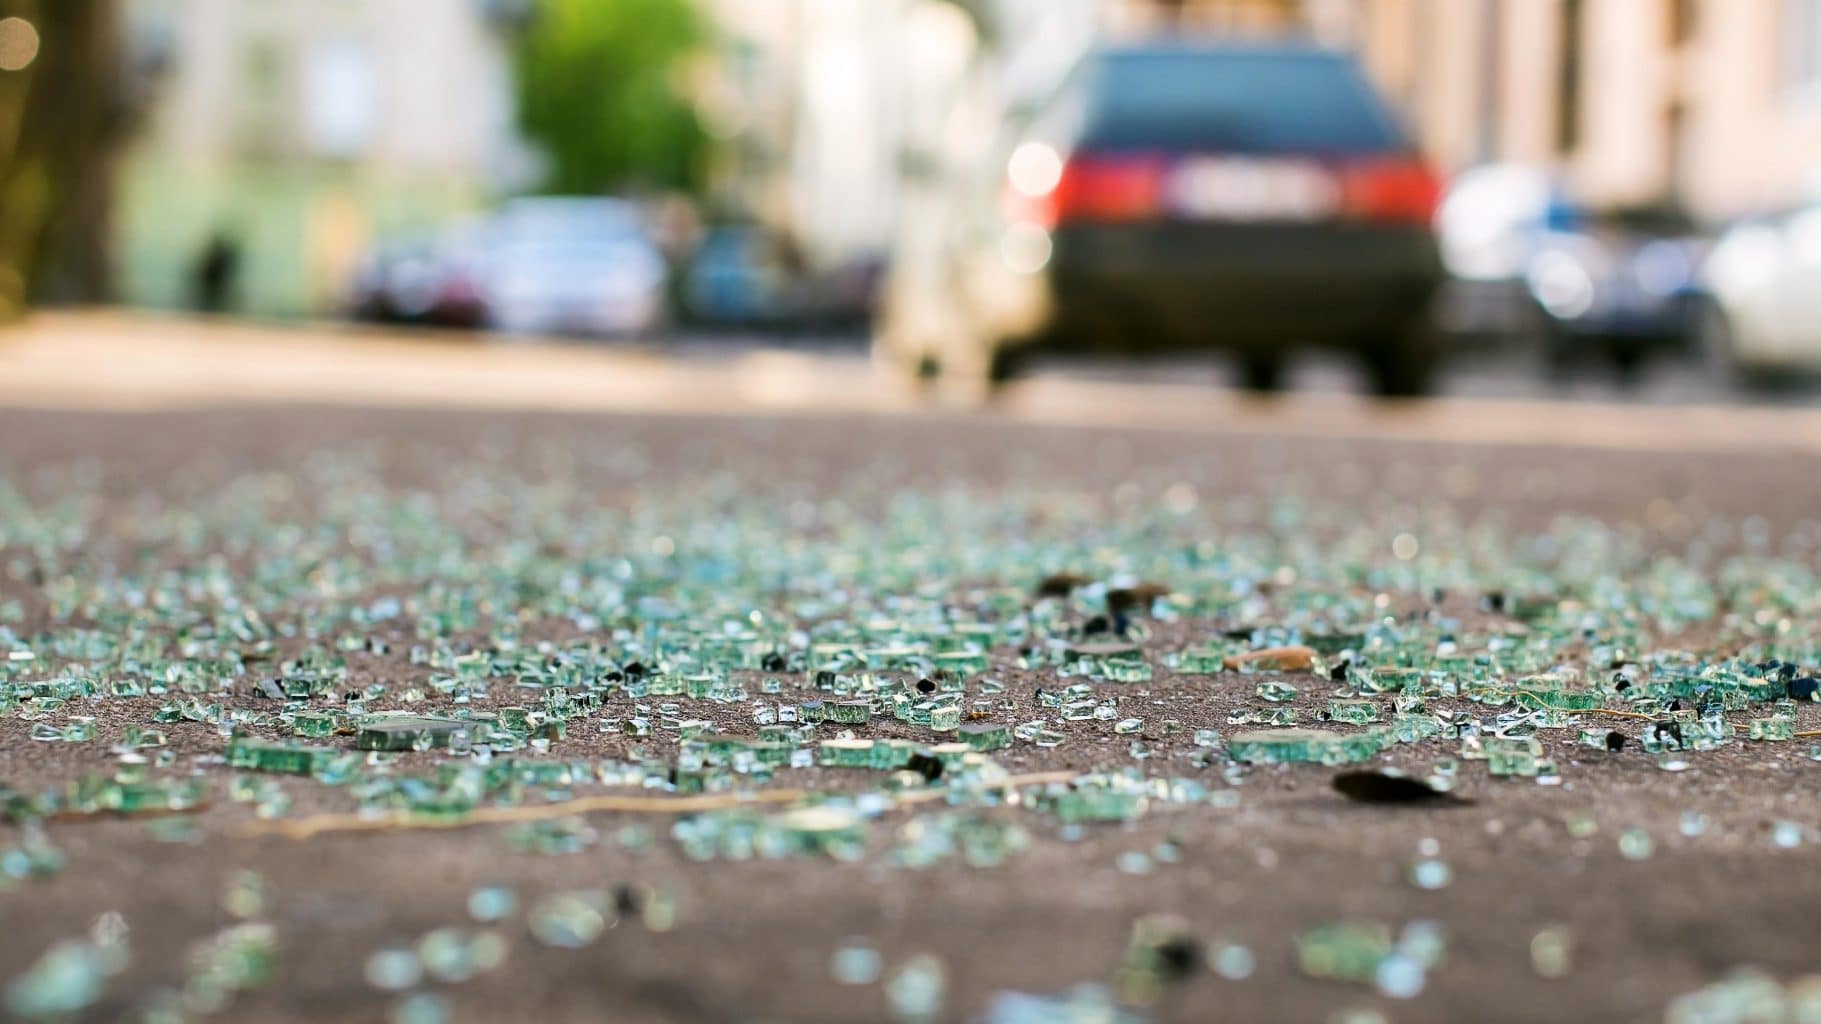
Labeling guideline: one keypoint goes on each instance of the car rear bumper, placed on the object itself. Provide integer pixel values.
(582, 314)
(1665, 321)
(1187, 285)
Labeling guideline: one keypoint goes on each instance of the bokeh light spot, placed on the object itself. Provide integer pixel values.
(18, 44)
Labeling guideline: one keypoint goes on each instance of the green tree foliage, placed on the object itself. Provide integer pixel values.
(600, 89)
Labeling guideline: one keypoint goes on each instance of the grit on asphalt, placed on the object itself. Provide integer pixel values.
(984, 506)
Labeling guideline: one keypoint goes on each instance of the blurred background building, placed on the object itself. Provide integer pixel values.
(1711, 103)
(285, 137)
(1714, 104)
(289, 136)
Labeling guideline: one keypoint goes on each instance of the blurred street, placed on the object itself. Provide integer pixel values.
(116, 361)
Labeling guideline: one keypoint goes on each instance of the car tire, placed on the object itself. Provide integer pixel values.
(1559, 352)
(977, 374)
(1403, 364)
(897, 363)
(1627, 358)
(1262, 372)
(1006, 365)
(1714, 342)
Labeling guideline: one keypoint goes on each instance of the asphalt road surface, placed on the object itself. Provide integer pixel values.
(226, 456)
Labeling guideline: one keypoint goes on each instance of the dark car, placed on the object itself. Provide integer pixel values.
(1619, 288)
(1530, 262)
(744, 276)
(1254, 199)
(430, 279)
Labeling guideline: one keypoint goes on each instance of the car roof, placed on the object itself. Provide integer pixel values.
(1278, 95)
(1290, 47)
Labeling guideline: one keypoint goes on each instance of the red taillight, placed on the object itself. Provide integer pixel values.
(1093, 188)
(1110, 188)
(1402, 191)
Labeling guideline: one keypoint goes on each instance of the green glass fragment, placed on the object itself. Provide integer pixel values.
(283, 758)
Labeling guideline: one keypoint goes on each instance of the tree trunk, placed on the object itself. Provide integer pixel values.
(60, 117)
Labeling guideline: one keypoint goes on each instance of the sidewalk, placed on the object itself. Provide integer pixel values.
(113, 360)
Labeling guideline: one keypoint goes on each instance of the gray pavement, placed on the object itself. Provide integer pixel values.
(378, 467)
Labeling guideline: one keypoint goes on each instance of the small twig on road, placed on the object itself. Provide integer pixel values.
(315, 825)
(112, 814)
(305, 828)
(1615, 712)
(1546, 706)
(923, 796)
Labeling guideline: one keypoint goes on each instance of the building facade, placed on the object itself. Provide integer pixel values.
(837, 118)
(844, 109)
(293, 134)
(1711, 104)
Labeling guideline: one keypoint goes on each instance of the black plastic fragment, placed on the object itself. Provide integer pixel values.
(925, 765)
(1061, 584)
(1178, 957)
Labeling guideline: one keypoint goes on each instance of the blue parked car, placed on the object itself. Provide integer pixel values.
(736, 279)
(744, 276)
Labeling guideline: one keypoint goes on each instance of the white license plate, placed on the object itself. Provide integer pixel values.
(1243, 189)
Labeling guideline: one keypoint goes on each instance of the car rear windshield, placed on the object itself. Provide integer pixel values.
(1267, 102)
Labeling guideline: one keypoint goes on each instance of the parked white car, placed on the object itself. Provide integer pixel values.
(1764, 279)
(573, 265)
